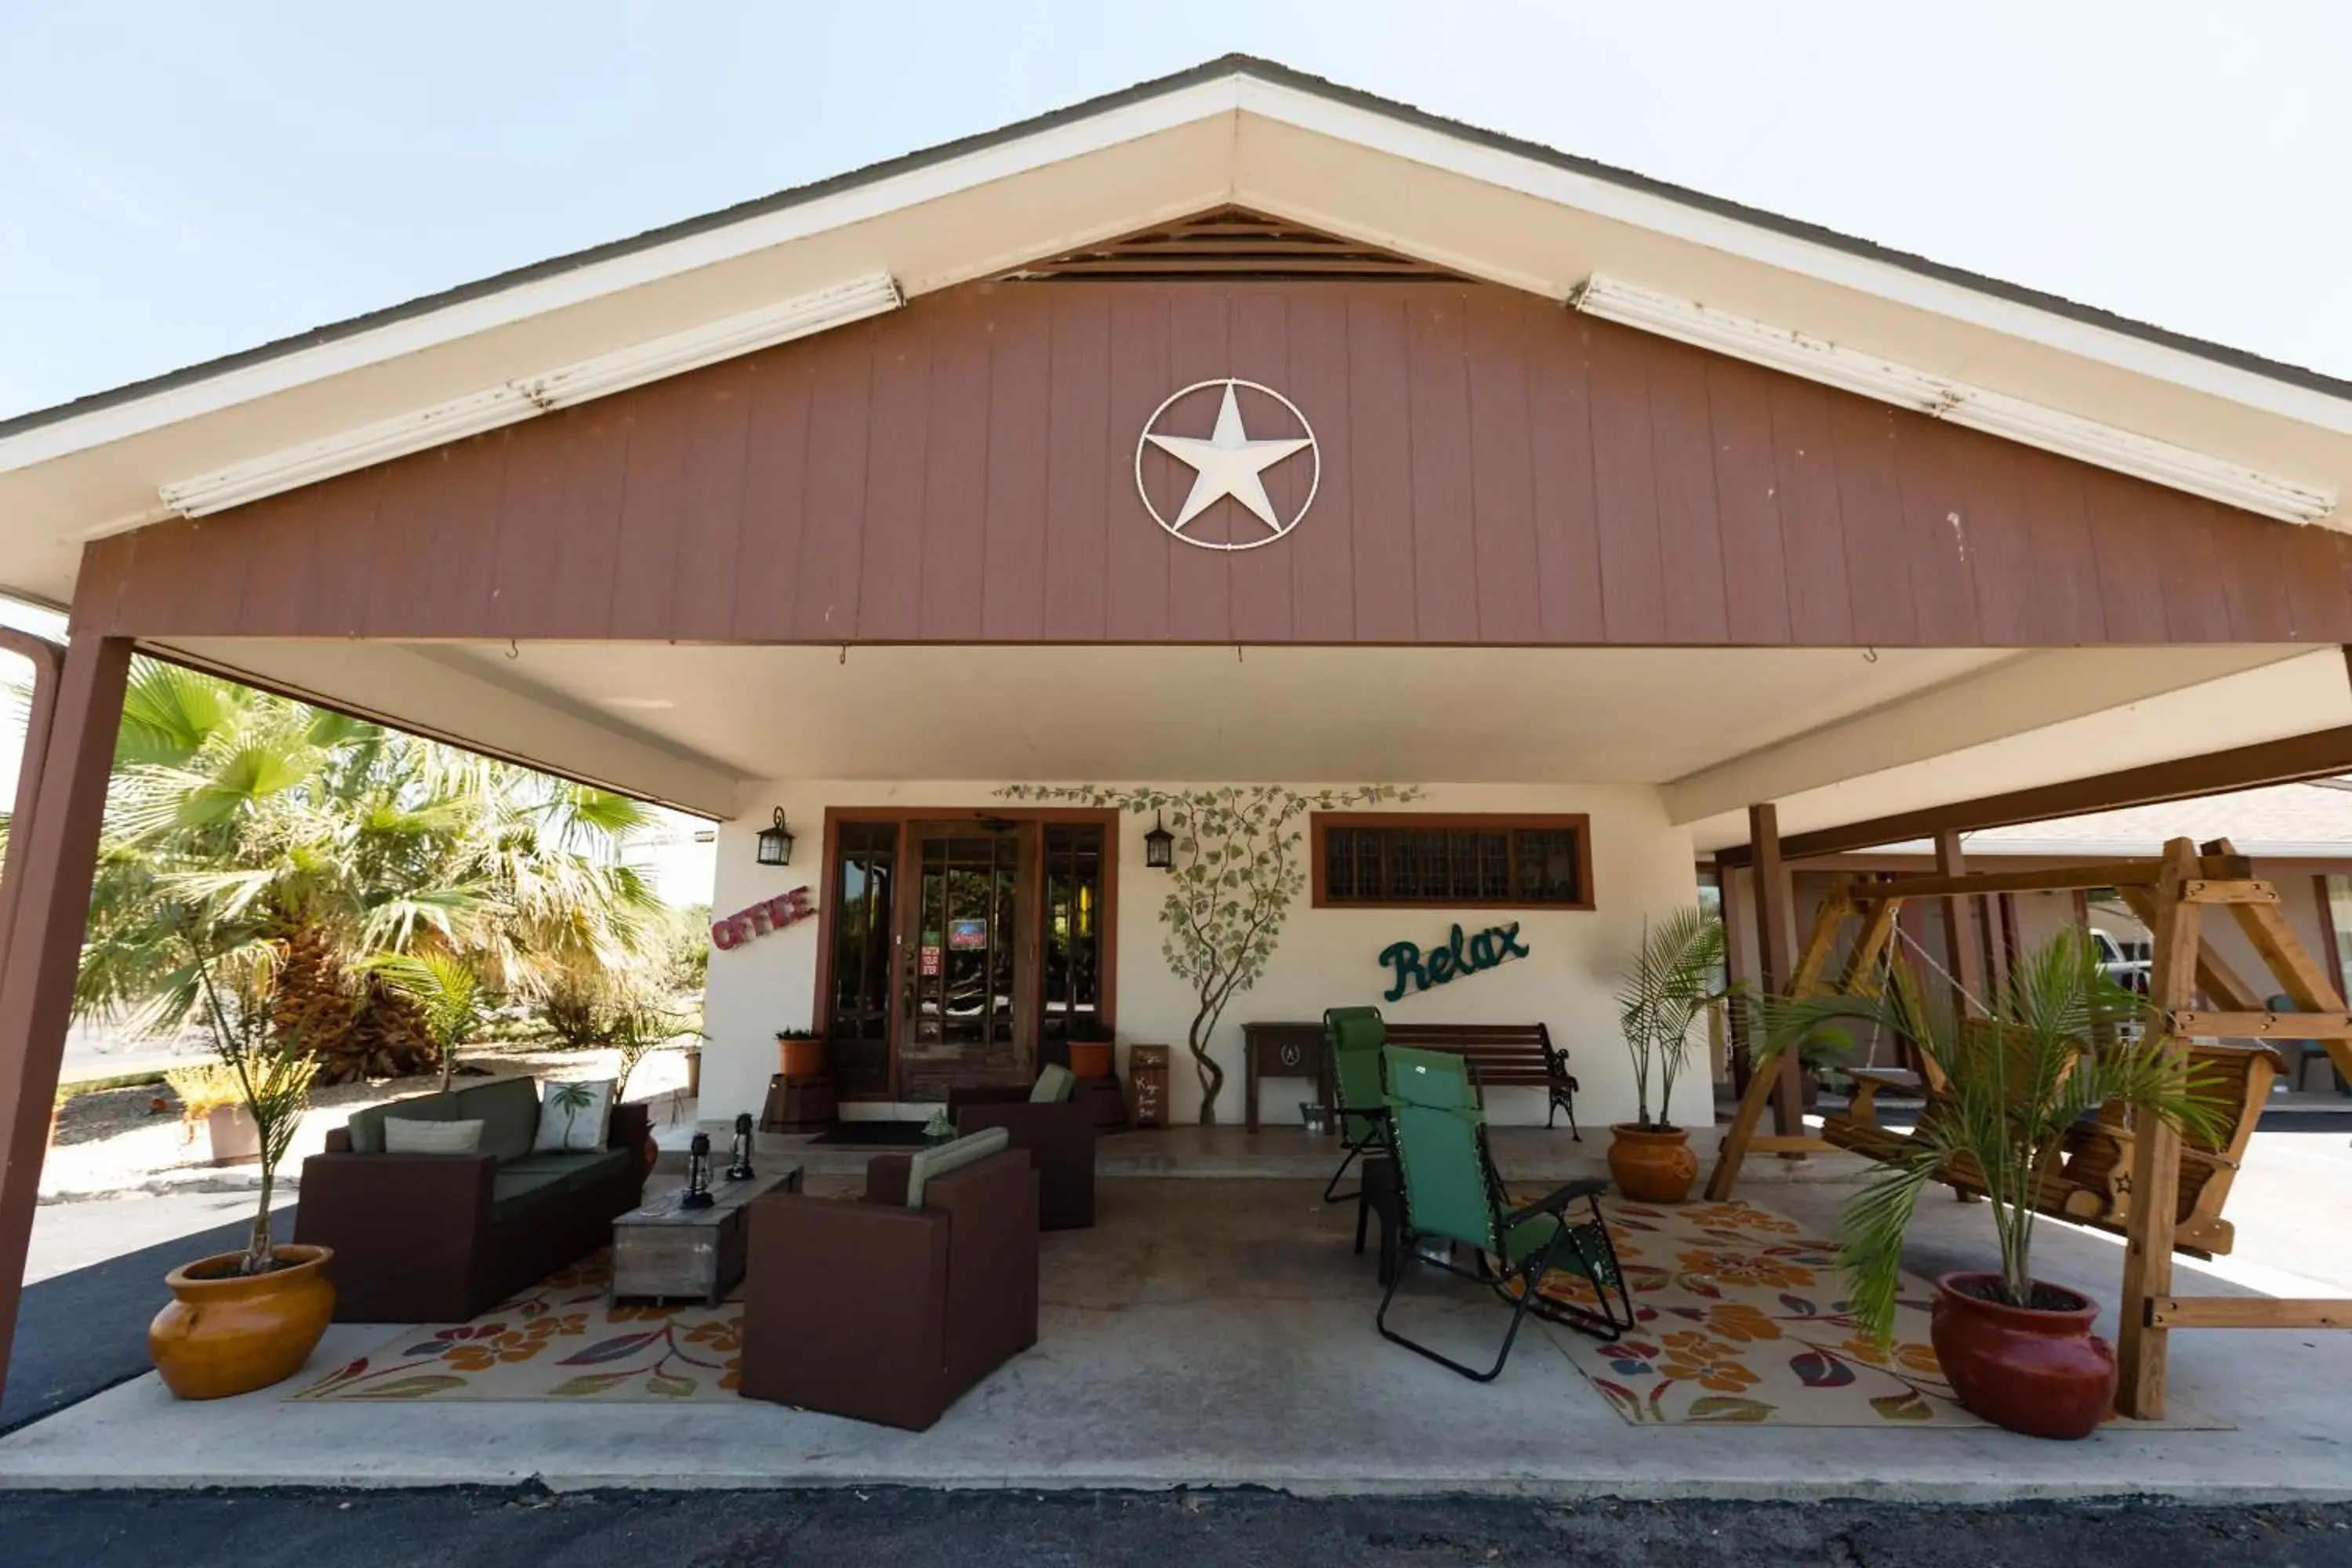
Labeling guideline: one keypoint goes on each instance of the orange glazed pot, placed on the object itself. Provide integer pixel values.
(226, 1333)
(801, 1058)
(1090, 1059)
(2035, 1370)
(1652, 1165)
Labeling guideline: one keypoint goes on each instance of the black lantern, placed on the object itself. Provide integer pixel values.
(1158, 846)
(698, 1173)
(738, 1159)
(776, 843)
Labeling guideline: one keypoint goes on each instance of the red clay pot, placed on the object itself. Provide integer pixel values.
(2035, 1371)
(1090, 1059)
(1652, 1165)
(801, 1058)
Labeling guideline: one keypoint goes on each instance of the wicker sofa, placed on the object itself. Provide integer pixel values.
(422, 1238)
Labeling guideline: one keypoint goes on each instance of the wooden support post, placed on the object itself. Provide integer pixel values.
(1774, 895)
(2156, 1151)
(50, 861)
(1962, 955)
(48, 660)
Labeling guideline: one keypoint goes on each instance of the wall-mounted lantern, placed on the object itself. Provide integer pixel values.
(1158, 846)
(776, 843)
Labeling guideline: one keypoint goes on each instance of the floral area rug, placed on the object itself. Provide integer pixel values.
(562, 1339)
(1741, 1317)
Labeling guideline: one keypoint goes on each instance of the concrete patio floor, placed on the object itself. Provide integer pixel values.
(1219, 1332)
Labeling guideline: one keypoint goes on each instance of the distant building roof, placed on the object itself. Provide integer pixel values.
(2297, 821)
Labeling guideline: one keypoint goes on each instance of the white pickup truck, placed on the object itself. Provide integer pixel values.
(2125, 962)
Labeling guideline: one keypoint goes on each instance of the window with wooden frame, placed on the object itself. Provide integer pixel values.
(1493, 860)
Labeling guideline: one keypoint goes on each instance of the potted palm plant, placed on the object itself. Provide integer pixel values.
(1090, 1041)
(241, 1320)
(1677, 972)
(2049, 1051)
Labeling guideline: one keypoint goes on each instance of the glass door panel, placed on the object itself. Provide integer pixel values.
(967, 1020)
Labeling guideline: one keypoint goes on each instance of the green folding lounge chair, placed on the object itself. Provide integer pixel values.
(1354, 1037)
(1452, 1193)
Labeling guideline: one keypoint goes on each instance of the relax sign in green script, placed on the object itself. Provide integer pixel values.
(1417, 970)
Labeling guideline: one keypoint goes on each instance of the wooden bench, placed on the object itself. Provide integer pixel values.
(1509, 1055)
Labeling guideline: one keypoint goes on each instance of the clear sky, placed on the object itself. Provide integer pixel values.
(179, 181)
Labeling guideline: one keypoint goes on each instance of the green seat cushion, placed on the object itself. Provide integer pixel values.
(1055, 1084)
(366, 1127)
(514, 1193)
(508, 1112)
(578, 1171)
(941, 1158)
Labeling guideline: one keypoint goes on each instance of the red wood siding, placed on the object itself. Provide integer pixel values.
(1494, 470)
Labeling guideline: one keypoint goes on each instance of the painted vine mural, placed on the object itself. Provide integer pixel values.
(1240, 864)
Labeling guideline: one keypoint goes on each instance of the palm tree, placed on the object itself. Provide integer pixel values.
(2049, 1051)
(1677, 973)
(446, 991)
(258, 822)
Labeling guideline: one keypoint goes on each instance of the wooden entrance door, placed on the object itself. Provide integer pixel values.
(968, 991)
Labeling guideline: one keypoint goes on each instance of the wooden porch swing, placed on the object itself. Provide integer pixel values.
(2105, 1165)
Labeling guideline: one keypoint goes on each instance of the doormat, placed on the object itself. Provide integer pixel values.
(874, 1134)
(1740, 1319)
(561, 1340)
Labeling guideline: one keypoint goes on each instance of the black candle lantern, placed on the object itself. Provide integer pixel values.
(1158, 846)
(776, 843)
(739, 1162)
(698, 1173)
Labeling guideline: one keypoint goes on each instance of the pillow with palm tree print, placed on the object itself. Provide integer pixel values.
(572, 1117)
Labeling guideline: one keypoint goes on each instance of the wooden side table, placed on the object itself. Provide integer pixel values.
(661, 1250)
(1282, 1050)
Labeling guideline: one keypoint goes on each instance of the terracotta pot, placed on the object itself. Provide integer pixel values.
(1650, 1165)
(1090, 1059)
(234, 1137)
(2036, 1370)
(801, 1058)
(226, 1333)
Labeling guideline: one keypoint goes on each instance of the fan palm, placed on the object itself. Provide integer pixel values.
(258, 822)
(2050, 1051)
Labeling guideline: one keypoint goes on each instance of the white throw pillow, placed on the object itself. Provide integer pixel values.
(403, 1136)
(572, 1117)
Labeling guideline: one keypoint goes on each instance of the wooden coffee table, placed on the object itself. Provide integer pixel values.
(664, 1250)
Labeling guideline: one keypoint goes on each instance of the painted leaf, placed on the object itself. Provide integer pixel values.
(1797, 1306)
(1816, 1370)
(1908, 1405)
(669, 1387)
(615, 1349)
(412, 1387)
(1719, 1408)
(588, 1383)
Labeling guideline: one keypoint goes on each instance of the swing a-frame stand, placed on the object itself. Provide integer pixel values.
(2107, 1168)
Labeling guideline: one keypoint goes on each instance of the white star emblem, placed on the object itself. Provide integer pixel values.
(1227, 463)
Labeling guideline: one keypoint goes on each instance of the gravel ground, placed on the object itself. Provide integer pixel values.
(131, 1141)
(1196, 1530)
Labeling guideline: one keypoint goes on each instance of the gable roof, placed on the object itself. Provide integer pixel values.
(1233, 131)
(1223, 67)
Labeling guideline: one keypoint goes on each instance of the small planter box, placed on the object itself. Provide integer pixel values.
(234, 1138)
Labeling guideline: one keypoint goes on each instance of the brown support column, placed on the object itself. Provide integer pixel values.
(1736, 970)
(48, 660)
(50, 869)
(1775, 940)
(1963, 957)
(2156, 1153)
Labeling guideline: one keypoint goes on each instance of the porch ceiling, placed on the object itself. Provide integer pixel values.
(1834, 734)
